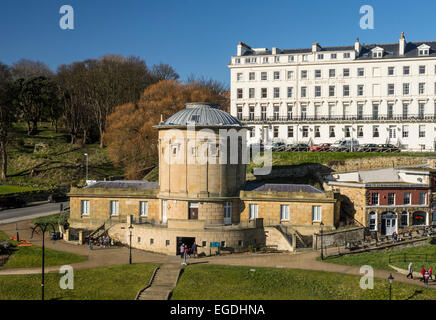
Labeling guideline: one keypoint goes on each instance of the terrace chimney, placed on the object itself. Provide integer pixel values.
(274, 50)
(357, 46)
(402, 47)
(315, 47)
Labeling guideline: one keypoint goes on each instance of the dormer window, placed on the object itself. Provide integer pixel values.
(277, 59)
(265, 60)
(290, 58)
(377, 52)
(423, 50)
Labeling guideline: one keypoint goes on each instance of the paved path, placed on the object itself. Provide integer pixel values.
(117, 256)
(32, 211)
(164, 282)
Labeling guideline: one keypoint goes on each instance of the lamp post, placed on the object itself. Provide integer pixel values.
(43, 227)
(86, 155)
(130, 244)
(322, 253)
(390, 278)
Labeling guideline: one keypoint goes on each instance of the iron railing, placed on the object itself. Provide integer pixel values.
(307, 118)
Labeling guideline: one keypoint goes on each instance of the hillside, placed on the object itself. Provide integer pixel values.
(48, 159)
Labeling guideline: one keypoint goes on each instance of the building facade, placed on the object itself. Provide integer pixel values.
(389, 200)
(378, 93)
(205, 201)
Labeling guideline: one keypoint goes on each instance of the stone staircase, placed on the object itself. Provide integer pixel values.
(162, 283)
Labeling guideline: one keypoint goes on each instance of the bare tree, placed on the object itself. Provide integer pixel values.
(163, 71)
(23, 69)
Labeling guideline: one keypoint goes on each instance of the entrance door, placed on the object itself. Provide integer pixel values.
(389, 223)
(392, 134)
(193, 211)
(164, 211)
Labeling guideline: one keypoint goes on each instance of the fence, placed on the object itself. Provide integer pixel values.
(407, 257)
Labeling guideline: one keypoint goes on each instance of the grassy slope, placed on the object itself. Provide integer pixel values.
(109, 283)
(5, 189)
(379, 260)
(60, 163)
(28, 257)
(211, 282)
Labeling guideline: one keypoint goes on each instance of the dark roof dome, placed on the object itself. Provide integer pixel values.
(201, 114)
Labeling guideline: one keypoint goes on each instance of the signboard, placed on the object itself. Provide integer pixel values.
(214, 244)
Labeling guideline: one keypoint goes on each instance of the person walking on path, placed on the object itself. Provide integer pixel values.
(90, 243)
(422, 273)
(430, 273)
(194, 250)
(410, 268)
(426, 276)
(182, 250)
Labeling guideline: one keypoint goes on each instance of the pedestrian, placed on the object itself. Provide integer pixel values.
(430, 273)
(426, 276)
(194, 250)
(422, 273)
(90, 243)
(410, 268)
(182, 250)
(100, 240)
(186, 250)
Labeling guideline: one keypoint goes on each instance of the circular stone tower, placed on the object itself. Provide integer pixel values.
(202, 163)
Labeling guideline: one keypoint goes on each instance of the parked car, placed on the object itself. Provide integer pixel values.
(368, 147)
(388, 148)
(297, 147)
(345, 145)
(321, 147)
(278, 146)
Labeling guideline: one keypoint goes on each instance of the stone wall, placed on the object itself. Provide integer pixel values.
(277, 240)
(338, 238)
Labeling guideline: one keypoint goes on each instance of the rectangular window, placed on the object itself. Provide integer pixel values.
(276, 112)
(290, 58)
(263, 93)
(265, 60)
(85, 207)
(421, 69)
(239, 93)
(391, 198)
(317, 91)
(251, 93)
(316, 214)
(360, 90)
(290, 131)
(289, 92)
(320, 56)
(317, 132)
(374, 198)
(263, 112)
(303, 74)
(406, 70)
(239, 113)
(405, 110)
(422, 131)
(375, 133)
(360, 131)
(331, 131)
(390, 110)
(421, 88)
(423, 198)
(391, 89)
(405, 131)
(331, 91)
(290, 112)
(347, 55)
(375, 111)
(251, 113)
(239, 76)
(391, 71)
(276, 132)
(276, 92)
(276, 75)
(317, 73)
(333, 56)
(332, 73)
(360, 72)
(407, 196)
(346, 72)
(406, 88)
(303, 92)
(284, 212)
(359, 111)
(347, 131)
(421, 109)
(277, 59)
(253, 211)
(114, 207)
(346, 90)
(263, 76)
(305, 132)
(143, 208)
(251, 76)
(252, 132)
(290, 75)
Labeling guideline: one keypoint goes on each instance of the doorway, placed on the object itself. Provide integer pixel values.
(193, 211)
(188, 241)
(389, 223)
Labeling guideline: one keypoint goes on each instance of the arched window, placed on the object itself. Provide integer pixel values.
(373, 221)
(404, 219)
(419, 218)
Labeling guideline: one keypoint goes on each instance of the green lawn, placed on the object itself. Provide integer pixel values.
(212, 282)
(28, 257)
(109, 283)
(6, 189)
(380, 260)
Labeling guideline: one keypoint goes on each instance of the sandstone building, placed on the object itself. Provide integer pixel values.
(202, 195)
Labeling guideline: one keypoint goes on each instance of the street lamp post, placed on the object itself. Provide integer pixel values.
(322, 253)
(390, 278)
(130, 244)
(86, 155)
(43, 227)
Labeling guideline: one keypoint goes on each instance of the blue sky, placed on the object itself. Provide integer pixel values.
(197, 36)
